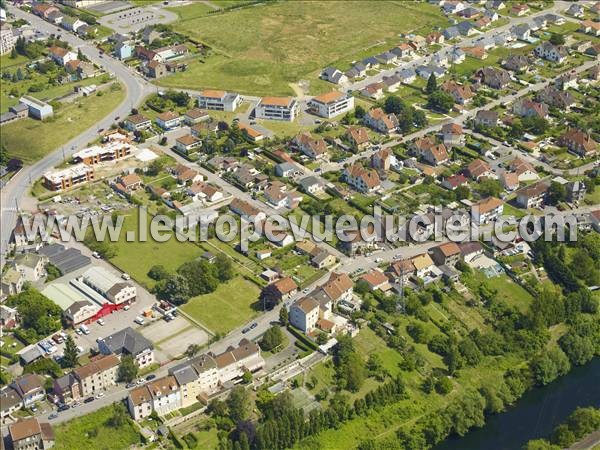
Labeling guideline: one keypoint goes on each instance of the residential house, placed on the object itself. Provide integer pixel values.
(457, 56)
(434, 38)
(453, 6)
(358, 70)
(487, 210)
(551, 52)
(71, 23)
(9, 318)
(528, 108)
(161, 396)
(429, 150)
(197, 377)
(576, 191)
(425, 72)
(361, 179)
(234, 362)
(204, 191)
(491, 14)
(567, 81)
(510, 180)
(378, 120)
(532, 196)
(453, 135)
(98, 375)
(517, 63)
(185, 175)
(476, 52)
(219, 100)
(382, 159)
(407, 76)
(281, 290)
(562, 100)
(331, 104)
(451, 33)
(188, 144)
(311, 147)
(519, 9)
(524, 170)
(493, 77)
(128, 183)
(392, 82)
(194, 116)
(30, 434)
(462, 94)
(10, 402)
(304, 314)
(137, 122)
(376, 280)
(470, 13)
(61, 55)
(12, 282)
(30, 387)
(251, 133)
(168, 120)
(373, 91)
(575, 10)
(311, 185)
(403, 50)
(590, 27)
(478, 169)
(370, 62)
(246, 210)
(486, 118)
(286, 169)
(277, 108)
(446, 254)
(276, 194)
(334, 76)
(470, 250)
(495, 4)
(401, 271)
(338, 287)
(579, 142)
(155, 69)
(387, 58)
(454, 181)
(466, 28)
(358, 137)
(123, 50)
(31, 265)
(128, 342)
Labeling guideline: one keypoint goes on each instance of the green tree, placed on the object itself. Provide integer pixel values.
(431, 84)
(238, 404)
(443, 386)
(158, 272)
(70, 357)
(556, 194)
(272, 338)
(128, 369)
(192, 350)
(119, 415)
(200, 275)
(224, 267)
(283, 316)
(440, 101)
(557, 39)
(393, 104)
(39, 315)
(174, 289)
(359, 112)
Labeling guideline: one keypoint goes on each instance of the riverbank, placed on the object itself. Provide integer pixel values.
(536, 414)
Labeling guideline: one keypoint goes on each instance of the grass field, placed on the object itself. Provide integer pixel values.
(92, 431)
(261, 49)
(136, 258)
(31, 140)
(230, 306)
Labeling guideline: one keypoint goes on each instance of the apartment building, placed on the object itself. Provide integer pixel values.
(30, 434)
(219, 100)
(332, 104)
(62, 179)
(277, 108)
(89, 379)
(114, 150)
(128, 342)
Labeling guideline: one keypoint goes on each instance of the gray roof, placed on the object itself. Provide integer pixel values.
(66, 381)
(309, 181)
(127, 341)
(184, 375)
(407, 73)
(19, 107)
(9, 398)
(5, 117)
(285, 166)
(451, 32)
(66, 259)
(464, 27)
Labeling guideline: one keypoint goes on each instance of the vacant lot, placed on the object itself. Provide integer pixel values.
(261, 49)
(230, 306)
(136, 258)
(30, 139)
(92, 431)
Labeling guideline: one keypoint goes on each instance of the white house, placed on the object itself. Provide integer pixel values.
(219, 100)
(304, 314)
(331, 104)
(550, 52)
(277, 108)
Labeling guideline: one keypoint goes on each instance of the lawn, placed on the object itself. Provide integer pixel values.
(136, 258)
(92, 431)
(230, 306)
(507, 290)
(262, 49)
(31, 140)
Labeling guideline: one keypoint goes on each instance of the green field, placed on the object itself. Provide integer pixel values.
(230, 306)
(31, 140)
(92, 431)
(136, 258)
(262, 49)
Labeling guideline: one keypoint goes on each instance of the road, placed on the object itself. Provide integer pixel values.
(136, 89)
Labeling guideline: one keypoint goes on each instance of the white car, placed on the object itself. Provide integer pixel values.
(100, 395)
(139, 320)
(100, 322)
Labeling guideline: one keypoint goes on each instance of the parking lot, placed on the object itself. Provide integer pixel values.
(137, 18)
(172, 338)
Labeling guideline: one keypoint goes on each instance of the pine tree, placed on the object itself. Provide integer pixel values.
(431, 84)
(70, 357)
(283, 316)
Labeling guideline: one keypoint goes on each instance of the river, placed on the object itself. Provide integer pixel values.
(536, 414)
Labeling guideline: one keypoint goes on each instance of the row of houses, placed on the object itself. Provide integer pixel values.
(53, 14)
(195, 380)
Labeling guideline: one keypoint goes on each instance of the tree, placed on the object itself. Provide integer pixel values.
(440, 101)
(239, 404)
(174, 289)
(201, 277)
(128, 369)
(431, 84)
(224, 267)
(418, 332)
(158, 272)
(556, 194)
(557, 39)
(192, 350)
(119, 415)
(283, 316)
(39, 315)
(272, 338)
(359, 112)
(462, 192)
(70, 357)
(393, 105)
(349, 365)
(13, 53)
(443, 386)
(488, 187)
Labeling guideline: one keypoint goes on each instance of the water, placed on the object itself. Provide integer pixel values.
(536, 414)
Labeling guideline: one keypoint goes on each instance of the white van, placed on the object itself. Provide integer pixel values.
(84, 329)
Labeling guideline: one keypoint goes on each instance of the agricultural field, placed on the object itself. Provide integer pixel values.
(30, 139)
(261, 50)
(232, 304)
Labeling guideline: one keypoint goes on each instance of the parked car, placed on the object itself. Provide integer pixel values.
(52, 416)
(150, 377)
(100, 322)
(139, 320)
(254, 325)
(88, 400)
(62, 408)
(100, 395)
